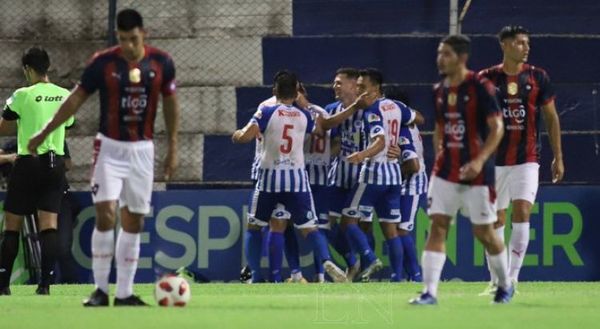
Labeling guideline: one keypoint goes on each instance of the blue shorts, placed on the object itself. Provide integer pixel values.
(297, 206)
(337, 200)
(409, 205)
(321, 197)
(383, 199)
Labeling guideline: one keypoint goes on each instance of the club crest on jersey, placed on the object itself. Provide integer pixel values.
(373, 117)
(513, 88)
(152, 74)
(258, 114)
(403, 141)
(135, 75)
(452, 99)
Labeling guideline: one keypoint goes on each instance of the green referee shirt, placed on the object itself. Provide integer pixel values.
(33, 107)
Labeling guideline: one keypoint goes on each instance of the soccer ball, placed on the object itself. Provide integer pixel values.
(172, 290)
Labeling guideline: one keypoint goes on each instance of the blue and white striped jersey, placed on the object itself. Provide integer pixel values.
(342, 173)
(411, 145)
(384, 118)
(281, 167)
(258, 149)
(317, 151)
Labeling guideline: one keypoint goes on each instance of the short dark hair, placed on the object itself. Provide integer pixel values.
(129, 19)
(36, 58)
(460, 43)
(350, 72)
(285, 84)
(396, 93)
(511, 31)
(373, 74)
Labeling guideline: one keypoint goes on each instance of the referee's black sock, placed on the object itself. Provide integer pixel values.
(49, 246)
(8, 252)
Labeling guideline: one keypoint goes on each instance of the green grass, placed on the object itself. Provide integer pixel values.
(374, 305)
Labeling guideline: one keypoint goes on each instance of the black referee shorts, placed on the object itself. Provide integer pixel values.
(36, 183)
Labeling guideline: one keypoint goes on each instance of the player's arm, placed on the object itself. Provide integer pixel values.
(335, 120)
(553, 128)
(246, 134)
(496, 129)
(171, 116)
(419, 118)
(374, 148)
(66, 111)
(8, 127)
(410, 167)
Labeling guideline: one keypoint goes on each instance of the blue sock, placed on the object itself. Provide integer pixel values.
(319, 245)
(411, 262)
(265, 241)
(371, 239)
(359, 240)
(339, 242)
(275, 255)
(318, 261)
(395, 254)
(253, 248)
(292, 254)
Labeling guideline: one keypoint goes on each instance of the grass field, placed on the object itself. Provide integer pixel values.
(373, 305)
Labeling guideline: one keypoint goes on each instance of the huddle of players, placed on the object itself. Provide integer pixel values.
(486, 142)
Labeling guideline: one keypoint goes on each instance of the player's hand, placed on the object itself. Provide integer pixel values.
(171, 163)
(12, 157)
(356, 158)
(394, 152)
(362, 101)
(236, 136)
(558, 170)
(35, 142)
(302, 101)
(471, 170)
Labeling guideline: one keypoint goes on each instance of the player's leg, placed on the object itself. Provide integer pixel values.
(320, 199)
(409, 205)
(444, 200)
(366, 225)
(350, 218)
(302, 211)
(9, 249)
(49, 247)
(523, 190)
(253, 243)
(481, 209)
(292, 253)
(388, 211)
(337, 198)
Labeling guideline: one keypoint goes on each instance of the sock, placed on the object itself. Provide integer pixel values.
(321, 277)
(253, 247)
(292, 254)
(359, 240)
(519, 240)
(499, 265)
(319, 269)
(264, 251)
(500, 233)
(433, 263)
(9, 249)
(411, 263)
(342, 246)
(126, 256)
(395, 254)
(371, 239)
(103, 245)
(319, 245)
(49, 246)
(275, 255)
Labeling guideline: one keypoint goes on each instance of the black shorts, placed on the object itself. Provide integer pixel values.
(36, 183)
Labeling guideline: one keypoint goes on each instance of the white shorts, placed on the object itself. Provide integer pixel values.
(519, 182)
(123, 171)
(476, 202)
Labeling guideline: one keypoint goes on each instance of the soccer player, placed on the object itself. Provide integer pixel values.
(130, 78)
(343, 175)
(523, 91)
(380, 179)
(282, 175)
(467, 132)
(317, 156)
(37, 180)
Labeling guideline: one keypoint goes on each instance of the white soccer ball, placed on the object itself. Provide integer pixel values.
(172, 290)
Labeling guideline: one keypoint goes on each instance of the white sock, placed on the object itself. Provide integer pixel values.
(432, 263)
(500, 233)
(127, 254)
(296, 276)
(321, 277)
(519, 240)
(103, 246)
(499, 265)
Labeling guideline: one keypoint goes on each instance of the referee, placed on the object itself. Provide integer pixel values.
(37, 181)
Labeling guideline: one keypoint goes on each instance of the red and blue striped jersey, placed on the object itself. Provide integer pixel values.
(129, 91)
(520, 97)
(461, 114)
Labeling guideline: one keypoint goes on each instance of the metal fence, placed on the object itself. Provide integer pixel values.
(216, 46)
